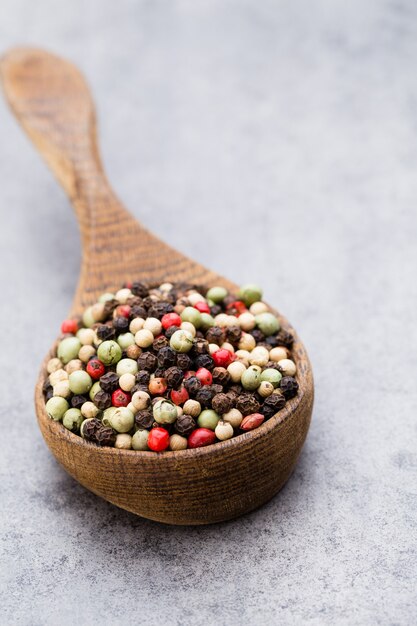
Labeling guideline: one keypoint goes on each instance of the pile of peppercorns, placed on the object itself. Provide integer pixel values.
(171, 367)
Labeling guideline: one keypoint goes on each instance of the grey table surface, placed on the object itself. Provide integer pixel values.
(275, 142)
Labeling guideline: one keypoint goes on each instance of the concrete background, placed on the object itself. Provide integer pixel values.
(275, 142)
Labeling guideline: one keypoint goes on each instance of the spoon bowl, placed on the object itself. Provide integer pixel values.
(52, 102)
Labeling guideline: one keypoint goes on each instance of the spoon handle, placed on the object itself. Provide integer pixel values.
(52, 102)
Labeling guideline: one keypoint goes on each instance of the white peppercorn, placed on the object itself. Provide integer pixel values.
(89, 409)
(287, 367)
(233, 417)
(192, 407)
(53, 365)
(236, 370)
(140, 440)
(278, 354)
(176, 442)
(223, 430)
(144, 338)
(123, 441)
(127, 381)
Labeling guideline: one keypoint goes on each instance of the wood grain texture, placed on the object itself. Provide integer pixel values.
(53, 104)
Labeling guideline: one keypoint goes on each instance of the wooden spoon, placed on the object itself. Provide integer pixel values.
(52, 102)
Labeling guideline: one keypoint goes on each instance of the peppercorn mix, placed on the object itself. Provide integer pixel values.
(170, 368)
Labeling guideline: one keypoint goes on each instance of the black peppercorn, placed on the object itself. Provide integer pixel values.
(105, 332)
(102, 400)
(109, 382)
(228, 300)
(143, 378)
(216, 335)
(170, 331)
(215, 310)
(159, 372)
(139, 388)
(166, 357)
(48, 392)
(138, 310)
(183, 362)
(233, 334)
(105, 436)
(160, 342)
(121, 324)
(147, 361)
(109, 307)
(288, 387)
(200, 346)
(148, 302)
(272, 404)
(174, 377)
(284, 338)
(271, 342)
(192, 385)
(205, 395)
(221, 376)
(184, 425)
(90, 429)
(134, 301)
(247, 403)
(78, 401)
(221, 403)
(217, 388)
(257, 335)
(139, 289)
(204, 360)
(144, 419)
(158, 309)
(273, 365)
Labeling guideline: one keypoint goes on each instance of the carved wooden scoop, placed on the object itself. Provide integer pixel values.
(52, 102)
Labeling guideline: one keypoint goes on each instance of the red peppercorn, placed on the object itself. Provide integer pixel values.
(158, 439)
(120, 398)
(179, 396)
(203, 307)
(223, 357)
(238, 306)
(200, 437)
(95, 368)
(123, 311)
(204, 376)
(69, 326)
(188, 374)
(252, 421)
(170, 319)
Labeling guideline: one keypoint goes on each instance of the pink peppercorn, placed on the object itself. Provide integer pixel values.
(222, 357)
(158, 439)
(69, 326)
(120, 398)
(201, 437)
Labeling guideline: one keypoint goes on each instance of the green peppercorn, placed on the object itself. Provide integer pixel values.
(250, 294)
(251, 378)
(181, 341)
(56, 407)
(122, 419)
(140, 440)
(207, 321)
(126, 366)
(88, 318)
(68, 349)
(267, 323)
(107, 414)
(216, 294)
(125, 340)
(105, 297)
(192, 315)
(208, 419)
(72, 420)
(94, 389)
(165, 412)
(109, 352)
(271, 375)
(80, 382)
